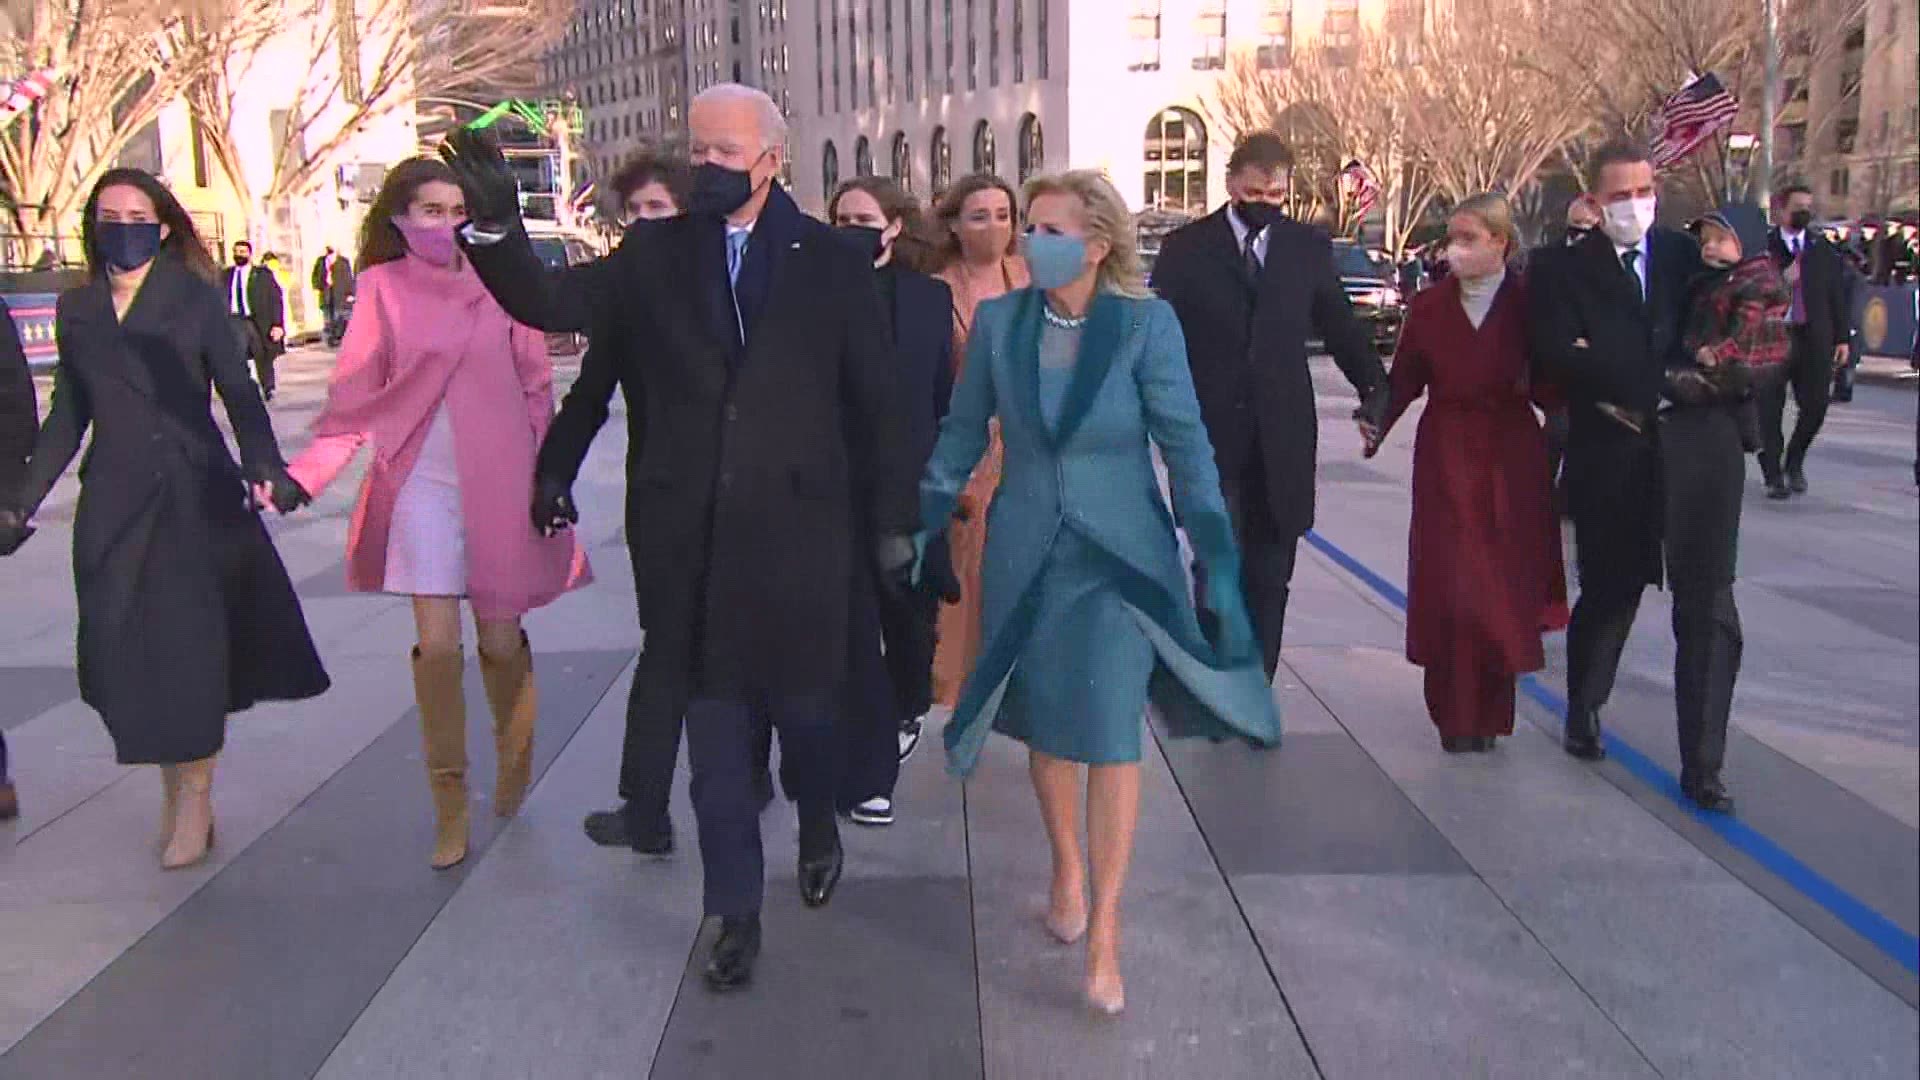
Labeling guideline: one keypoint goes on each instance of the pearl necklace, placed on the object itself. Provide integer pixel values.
(1059, 320)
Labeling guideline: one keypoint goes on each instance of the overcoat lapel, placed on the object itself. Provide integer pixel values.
(710, 286)
(1604, 266)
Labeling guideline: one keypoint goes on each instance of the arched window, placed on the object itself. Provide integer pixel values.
(829, 169)
(940, 162)
(902, 161)
(1176, 162)
(985, 159)
(1033, 148)
(862, 157)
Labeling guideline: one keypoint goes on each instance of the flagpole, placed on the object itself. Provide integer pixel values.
(1762, 184)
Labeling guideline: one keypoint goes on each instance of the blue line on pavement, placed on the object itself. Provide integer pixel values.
(1879, 931)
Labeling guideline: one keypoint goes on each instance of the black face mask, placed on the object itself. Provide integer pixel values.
(127, 245)
(718, 190)
(865, 239)
(242, 260)
(1256, 215)
(1799, 220)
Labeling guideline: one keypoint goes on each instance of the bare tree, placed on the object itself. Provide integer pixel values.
(117, 64)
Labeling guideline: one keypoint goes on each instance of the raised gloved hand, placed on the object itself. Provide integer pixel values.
(493, 197)
(933, 571)
(553, 509)
(14, 531)
(1232, 631)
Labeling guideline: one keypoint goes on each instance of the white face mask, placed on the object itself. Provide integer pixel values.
(1627, 222)
(1474, 263)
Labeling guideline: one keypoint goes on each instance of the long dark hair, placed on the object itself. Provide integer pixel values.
(947, 215)
(380, 240)
(183, 240)
(912, 248)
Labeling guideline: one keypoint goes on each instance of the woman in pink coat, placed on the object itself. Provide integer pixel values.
(455, 397)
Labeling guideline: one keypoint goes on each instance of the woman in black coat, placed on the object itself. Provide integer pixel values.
(186, 613)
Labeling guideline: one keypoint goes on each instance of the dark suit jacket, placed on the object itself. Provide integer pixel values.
(266, 306)
(922, 327)
(1247, 345)
(744, 486)
(338, 291)
(1823, 284)
(1592, 334)
(19, 406)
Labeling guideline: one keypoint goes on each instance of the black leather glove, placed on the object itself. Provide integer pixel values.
(553, 509)
(1373, 406)
(493, 198)
(936, 569)
(893, 559)
(14, 531)
(284, 492)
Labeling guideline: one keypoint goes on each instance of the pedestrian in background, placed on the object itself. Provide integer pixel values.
(1819, 325)
(455, 397)
(186, 612)
(978, 259)
(1087, 609)
(889, 684)
(1484, 574)
(333, 284)
(257, 307)
(19, 419)
(654, 185)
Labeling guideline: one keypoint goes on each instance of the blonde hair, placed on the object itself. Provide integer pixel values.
(1495, 214)
(1107, 219)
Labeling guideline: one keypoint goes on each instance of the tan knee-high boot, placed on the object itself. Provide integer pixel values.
(515, 703)
(443, 731)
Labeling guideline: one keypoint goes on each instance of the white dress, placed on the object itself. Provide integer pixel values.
(427, 544)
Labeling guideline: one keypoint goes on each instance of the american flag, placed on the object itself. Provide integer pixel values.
(1360, 186)
(1690, 117)
(22, 94)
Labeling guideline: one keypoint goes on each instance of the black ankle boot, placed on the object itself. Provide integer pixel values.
(730, 966)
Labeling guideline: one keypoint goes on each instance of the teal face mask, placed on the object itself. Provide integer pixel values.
(1054, 261)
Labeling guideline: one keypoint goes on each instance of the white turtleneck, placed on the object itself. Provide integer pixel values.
(1476, 295)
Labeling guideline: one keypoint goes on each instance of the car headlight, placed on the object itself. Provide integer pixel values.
(1383, 297)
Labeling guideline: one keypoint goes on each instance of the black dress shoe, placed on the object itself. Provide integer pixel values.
(616, 828)
(1709, 795)
(1777, 490)
(1584, 747)
(1459, 744)
(819, 874)
(730, 967)
(1796, 480)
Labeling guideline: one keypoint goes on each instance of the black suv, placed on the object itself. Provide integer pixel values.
(1373, 290)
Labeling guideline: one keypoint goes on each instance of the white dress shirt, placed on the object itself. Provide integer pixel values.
(1240, 231)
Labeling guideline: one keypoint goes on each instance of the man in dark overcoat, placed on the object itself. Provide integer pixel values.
(1250, 287)
(1819, 326)
(765, 357)
(333, 285)
(258, 310)
(1606, 323)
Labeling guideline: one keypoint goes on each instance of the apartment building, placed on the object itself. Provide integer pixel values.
(1851, 124)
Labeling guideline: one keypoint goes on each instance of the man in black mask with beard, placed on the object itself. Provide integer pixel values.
(770, 383)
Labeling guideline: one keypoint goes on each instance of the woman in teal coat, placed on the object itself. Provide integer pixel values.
(1087, 612)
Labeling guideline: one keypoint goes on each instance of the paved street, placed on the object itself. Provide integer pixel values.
(1355, 905)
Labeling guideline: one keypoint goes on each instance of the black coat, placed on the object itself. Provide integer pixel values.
(743, 492)
(1823, 284)
(339, 291)
(186, 613)
(266, 305)
(19, 408)
(1593, 335)
(922, 327)
(1247, 344)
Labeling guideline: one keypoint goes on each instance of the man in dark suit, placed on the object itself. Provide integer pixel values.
(333, 284)
(1819, 324)
(1606, 323)
(19, 423)
(762, 344)
(1250, 286)
(259, 313)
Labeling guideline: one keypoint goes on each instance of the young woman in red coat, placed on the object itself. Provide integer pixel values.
(1484, 573)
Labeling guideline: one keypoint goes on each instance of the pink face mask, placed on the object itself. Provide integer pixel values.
(433, 244)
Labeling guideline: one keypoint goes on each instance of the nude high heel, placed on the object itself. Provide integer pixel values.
(191, 840)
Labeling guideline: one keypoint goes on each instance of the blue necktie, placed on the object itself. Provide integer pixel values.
(736, 255)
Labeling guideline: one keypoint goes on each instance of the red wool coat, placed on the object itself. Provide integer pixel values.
(1484, 570)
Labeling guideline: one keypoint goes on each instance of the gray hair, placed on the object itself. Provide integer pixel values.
(773, 123)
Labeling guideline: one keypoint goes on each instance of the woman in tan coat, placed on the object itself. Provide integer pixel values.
(978, 261)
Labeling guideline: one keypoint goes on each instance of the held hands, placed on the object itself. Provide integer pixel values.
(553, 509)
(14, 531)
(493, 198)
(272, 486)
(1370, 418)
(277, 333)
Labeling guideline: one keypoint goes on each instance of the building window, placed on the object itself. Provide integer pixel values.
(1144, 27)
(906, 32)
(928, 12)
(984, 156)
(1210, 27)
(1033, 148)
(1041, 43)
(1176, 162)
(1840, 182)
(902, 169)
(940, 162)
(973, 48)
(833, 27)
(993, 41)
(829, 168)
(1020, 40)
(1340, 33)
(873, 85)
(948, 16)
(862, 157)
(853, 57)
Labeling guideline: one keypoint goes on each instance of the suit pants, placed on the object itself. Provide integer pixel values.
(890, 682)
(255, 345)
(656, 705)
(1266, 559)
(725, 746)
(1810, 378)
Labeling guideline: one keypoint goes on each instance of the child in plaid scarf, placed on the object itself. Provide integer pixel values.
(1736, 329)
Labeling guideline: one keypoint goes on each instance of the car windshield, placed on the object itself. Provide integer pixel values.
(1356, 261)
(552, 251)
